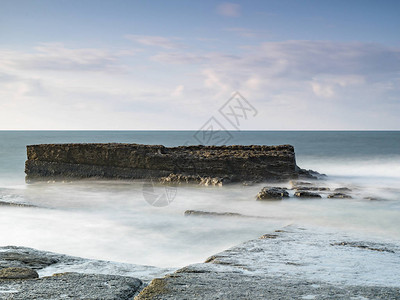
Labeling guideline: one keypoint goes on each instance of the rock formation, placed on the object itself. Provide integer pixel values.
(134, 161)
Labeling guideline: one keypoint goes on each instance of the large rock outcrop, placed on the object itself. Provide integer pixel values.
(134, 161)
(294, 263)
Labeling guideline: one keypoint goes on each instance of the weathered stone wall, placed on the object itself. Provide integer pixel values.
(133, 161)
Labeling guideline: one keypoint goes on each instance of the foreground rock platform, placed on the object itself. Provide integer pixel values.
(135, 161)
(68, 277)
(293, 263)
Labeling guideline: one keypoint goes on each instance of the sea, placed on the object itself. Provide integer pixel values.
(113, 220)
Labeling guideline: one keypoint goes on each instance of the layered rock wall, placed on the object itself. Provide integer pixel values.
(135, 161)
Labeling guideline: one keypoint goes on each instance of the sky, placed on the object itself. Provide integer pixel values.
(186, 65)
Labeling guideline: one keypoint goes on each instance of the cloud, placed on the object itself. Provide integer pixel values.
(193, 58)
(228, 9)
(178, 91)
(246, 32)
(316, 78)
(326, 86)
(56, 56)
(293, 84)
(155, 41)
(297, 59)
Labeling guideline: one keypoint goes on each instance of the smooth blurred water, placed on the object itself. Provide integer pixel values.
(111, 220)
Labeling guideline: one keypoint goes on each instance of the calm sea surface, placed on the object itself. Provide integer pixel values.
(111, 219)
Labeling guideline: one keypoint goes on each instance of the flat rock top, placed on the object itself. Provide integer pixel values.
(199, 150)
(290, 264)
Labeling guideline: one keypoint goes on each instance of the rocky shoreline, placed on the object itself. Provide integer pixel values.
(291, 263)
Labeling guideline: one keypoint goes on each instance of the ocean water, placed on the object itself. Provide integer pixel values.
(110, 220)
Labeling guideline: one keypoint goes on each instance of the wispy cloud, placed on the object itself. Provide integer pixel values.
(246, 32)
(156, 41)
(354, 83)
(299, 76)
(56, 56)
(229, 9)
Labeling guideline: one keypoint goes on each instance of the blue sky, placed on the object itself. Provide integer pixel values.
(173, 64)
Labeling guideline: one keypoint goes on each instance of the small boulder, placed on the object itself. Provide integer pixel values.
(305, 194)
(342, 189)
(18, 273)
(372, 198)
(274, 193)
(339, 195)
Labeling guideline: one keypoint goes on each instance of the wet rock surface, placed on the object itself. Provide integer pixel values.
(201, 213)
(310, 174)
(80, 278)
(272, 193)
(312, 188)
(288, 264)
(306, 194)
(13, 204)
(296, 183)
(21, 257)
(339, 196)
(342, 190)
(370, 246)
(71, 286)
(133, 161)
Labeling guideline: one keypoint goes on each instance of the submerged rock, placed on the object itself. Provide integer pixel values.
(272, 193)
(217, 214)
(294, 183)
(18, 273)
(371, 198)
(305, 194)
(211, 213)
(340, 196)
(15, 204)
(342, 189)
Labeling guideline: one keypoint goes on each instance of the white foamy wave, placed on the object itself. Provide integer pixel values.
(374, 168)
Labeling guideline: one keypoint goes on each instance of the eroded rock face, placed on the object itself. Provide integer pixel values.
(134, 161)
(274, 193)
(196, 179)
